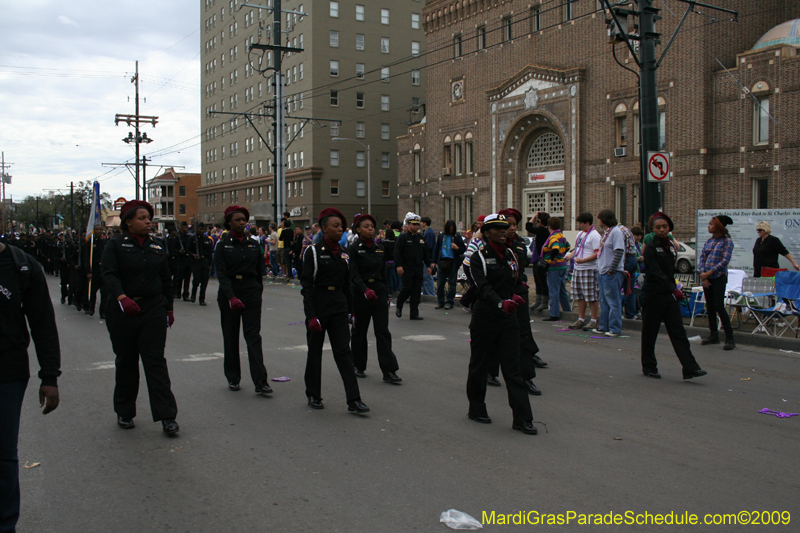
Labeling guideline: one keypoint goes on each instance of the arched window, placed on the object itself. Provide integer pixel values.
(547, 151)
(417, 162)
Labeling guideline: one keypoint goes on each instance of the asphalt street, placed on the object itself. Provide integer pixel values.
(614, 439)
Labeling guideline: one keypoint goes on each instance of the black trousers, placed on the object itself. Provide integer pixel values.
(658, 309)
(492, 336)
(339, 334)
(200, 273)
(541, 283)
(527, 345)
(250, 320)
(145, 336)
(378, 311)
(412, 286)
(79, 296)
(182, 277)
(65, 275)
(715, 305)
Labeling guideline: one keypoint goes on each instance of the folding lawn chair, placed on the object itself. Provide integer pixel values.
(785, 313)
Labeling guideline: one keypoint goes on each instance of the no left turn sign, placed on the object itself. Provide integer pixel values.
(658, 167)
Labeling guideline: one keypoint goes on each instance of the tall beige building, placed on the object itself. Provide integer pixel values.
(360, 74)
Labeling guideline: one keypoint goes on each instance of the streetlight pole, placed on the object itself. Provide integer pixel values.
(369, 177)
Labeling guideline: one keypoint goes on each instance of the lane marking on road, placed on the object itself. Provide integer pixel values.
(424, 338)
(203, 357)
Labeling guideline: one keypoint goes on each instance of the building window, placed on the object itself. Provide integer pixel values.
(447, 209)
(359, 41)
(360, 100)
(334, 9)
(549, 201)
(536, 19)
(417, 206)
(547, 151)
(385, 17)
(182, 209)
(385, 159)
(621, 203)
(468, 157)
(417, 164)
(334, 98)
(384, 102)
(568, 15)
(760, 194)
(334, 158)
(385, 132)
(457, 46)
(360, 158)
(447, 158)
(360, 127)
(334, 68)
(361, 188)
(414, 21)
(621, 131)
(182, 190)
(481, 37)
(385, 74)
(457, 158)
(457, 211)
(468, 216)
(360, 13)
(334, 187)
(360, 71)
(385, 45)
(415, 77)
(334, 129)
(385, 189)
(761, 121)
(414, 48)
(334, 38)
(508, 33)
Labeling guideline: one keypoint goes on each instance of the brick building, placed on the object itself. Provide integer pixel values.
(174, 197)
(526, 107)
(358, 74)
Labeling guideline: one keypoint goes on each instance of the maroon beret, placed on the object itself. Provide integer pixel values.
(511, 212)
(230, 210)
(366, 216)
(331, 211)
(661, 214)
(480, 218)
(134, 204)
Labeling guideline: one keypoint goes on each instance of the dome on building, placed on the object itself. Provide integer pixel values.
(786, 33)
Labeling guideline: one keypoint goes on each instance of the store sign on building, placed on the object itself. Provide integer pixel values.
(296, 211)
(542, 177)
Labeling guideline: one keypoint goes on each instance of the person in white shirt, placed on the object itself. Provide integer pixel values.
(584, 275)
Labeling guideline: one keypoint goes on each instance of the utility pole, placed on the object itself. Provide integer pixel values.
(72, 204)
(4, 178)
(648, 38)
(138, 138)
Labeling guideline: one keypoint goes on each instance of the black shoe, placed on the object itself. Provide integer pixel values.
(263, 389)
(493, 381)
(729, 343)
(125, 423)
(63, 301)
(526, 427)
(315, 403)
(203, 304)
(711, 339)
(438, 306)
(102, 316)
(399, 311)
(233, 386)
(416, 318)
(391, 377)
(186, 299)
(481, 419)
(448, 306)
(169, 426)
(695, 374)
(192, 299)
(538, 363)
(358, 407)
(551, 319)
(651, 374)
(79, 308)
(360, 373)
(532, 389)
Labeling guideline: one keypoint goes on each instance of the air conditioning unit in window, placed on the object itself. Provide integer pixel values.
(619, 152)
(446, 171)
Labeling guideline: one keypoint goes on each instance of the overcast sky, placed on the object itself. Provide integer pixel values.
(65, 71)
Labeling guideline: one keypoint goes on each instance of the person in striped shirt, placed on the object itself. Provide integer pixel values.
(554, 251)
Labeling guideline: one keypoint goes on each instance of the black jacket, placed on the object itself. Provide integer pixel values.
(35, 307)
(326, 282)
(93, 251)
(659, 280)
(411, 252)
(496, 278)
(238, 265)
(203, 247)
(367, 267)
(458, 255)
(136, 270)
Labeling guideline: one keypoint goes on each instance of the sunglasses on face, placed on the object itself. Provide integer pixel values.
(759, 230)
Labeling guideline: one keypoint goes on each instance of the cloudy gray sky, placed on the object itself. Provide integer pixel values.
(65, 71)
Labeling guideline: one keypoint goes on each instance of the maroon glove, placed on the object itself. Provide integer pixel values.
(314, 325)
(236, 304)
(170, 318)
(370, 295)
(509, 306)
(518, 299)
(678, 295)
(525, 285)
(352, 319)
(129, 307)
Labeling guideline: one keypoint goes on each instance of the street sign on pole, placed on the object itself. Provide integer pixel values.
(658, 167)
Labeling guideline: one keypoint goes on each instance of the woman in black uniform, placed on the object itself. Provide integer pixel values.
(237, 261)
(494, 330)
(138, 282)
(328, 306)
(661, 303)
(370, 299)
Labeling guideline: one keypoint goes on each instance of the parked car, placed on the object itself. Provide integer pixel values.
(686, 262)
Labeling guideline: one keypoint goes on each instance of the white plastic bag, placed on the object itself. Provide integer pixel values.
(457, 520)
